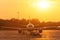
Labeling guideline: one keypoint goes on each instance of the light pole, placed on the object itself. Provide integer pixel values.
(18, 19)
(18, 14)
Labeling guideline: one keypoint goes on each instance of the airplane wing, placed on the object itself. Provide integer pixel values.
(30, 28)
(24, 29)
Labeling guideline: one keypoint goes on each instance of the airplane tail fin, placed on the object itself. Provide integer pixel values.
(29, 19)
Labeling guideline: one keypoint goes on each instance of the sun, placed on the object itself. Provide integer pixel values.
(43, 4)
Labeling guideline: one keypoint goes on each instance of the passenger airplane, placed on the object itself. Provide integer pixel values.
(31, 29)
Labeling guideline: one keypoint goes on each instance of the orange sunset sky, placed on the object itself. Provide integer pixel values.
(44, 10)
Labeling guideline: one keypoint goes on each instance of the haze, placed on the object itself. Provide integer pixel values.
(26, 8)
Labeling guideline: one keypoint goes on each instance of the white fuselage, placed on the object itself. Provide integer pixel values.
(30, 26)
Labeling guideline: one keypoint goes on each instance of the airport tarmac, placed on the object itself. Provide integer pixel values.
(14, 35)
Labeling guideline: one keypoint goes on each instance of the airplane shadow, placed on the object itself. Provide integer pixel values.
(36, 36)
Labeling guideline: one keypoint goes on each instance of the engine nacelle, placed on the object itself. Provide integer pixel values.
(40, 31)
(19, 30)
